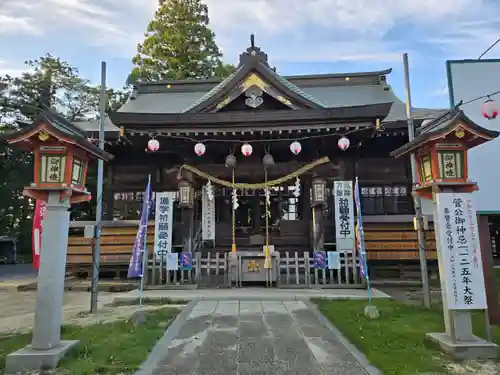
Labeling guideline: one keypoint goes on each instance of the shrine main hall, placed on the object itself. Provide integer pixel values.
(279, 143)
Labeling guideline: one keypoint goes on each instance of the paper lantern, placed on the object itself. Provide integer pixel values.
(296, 147)
(153, 145)
(489, 109)
(343, 143)
(246, 149)
(199, 149)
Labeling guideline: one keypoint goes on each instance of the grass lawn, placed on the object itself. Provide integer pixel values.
(395, 343)
(110, 348)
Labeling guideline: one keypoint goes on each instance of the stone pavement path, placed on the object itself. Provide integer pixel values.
(253, 338)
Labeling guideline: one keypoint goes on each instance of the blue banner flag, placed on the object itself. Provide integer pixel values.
(139, 251)
(360, 239)
(186, 261)
(320, 259)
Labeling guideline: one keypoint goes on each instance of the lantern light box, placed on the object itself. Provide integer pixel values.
(61, 155)
(441, 152)
(318, 191)
(186, 194)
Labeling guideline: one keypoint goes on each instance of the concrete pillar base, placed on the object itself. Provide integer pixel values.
(27, 359)
(476, 348)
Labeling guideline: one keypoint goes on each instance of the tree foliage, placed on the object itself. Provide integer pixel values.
(179, 45)
(47, 83)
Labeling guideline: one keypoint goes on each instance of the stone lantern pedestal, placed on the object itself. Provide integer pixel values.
(441, 153)
(61, 156)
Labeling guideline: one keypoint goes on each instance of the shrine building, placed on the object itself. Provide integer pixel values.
(256, 129)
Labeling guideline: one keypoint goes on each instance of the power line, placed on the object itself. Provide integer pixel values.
(489, 49)
(487, 96)
(480, 57)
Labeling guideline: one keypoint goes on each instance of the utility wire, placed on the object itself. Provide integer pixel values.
(491, 46)
(488, 96)
(489, 49)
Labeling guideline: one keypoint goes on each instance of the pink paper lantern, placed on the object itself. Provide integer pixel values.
(490, 109)
(343, 143)
(246, 149)
(295, 148)
(153, 145)
(199, 149)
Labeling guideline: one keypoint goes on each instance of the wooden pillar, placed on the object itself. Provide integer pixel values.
(187, 228)
(305, 197)
(488, 269)
(187, 213)
(319, 233)
(319, 192)
(256, 212)
(109, 196)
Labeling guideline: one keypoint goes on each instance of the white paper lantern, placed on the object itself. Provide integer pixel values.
(199, 149)
(153, 145)
(246, 149)
(489, 110)
(344, 143)
(296, 147)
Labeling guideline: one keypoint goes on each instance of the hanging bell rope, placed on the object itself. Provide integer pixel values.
(261, 185)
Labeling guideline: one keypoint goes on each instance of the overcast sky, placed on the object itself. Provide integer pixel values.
(300, 36)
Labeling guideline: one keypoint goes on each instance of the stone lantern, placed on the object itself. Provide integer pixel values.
(441, 153)
(61, 156)
(440, 150)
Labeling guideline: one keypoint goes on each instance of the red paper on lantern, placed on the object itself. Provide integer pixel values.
(153, 145)
(489, 109)
(38, 217)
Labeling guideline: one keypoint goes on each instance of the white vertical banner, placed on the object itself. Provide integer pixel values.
(164, 213)
(344, 215)
(207, 217)
(459, 245)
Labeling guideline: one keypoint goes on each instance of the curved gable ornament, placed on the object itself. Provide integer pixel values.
(254, 97)
(253, 80)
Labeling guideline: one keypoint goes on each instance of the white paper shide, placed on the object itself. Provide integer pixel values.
(163, 222)
(344, 215)
(208, 215)
(459, 243)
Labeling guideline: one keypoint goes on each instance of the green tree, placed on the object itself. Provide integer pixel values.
(114, 98)
(48, 83)
(179, 45)
(16, 172)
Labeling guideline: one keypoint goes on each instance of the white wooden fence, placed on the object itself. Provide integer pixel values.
(296, 270)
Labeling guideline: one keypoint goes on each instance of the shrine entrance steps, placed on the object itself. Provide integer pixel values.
(220, 269)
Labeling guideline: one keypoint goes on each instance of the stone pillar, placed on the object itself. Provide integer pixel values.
(458, 338)
(458, 324)
(46, 348)
(50, 289)
(488, 269)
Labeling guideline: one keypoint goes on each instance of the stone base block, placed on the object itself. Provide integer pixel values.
(465, 350)
(28, 359)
